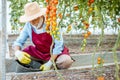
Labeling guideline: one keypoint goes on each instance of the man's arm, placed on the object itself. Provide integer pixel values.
(19, 42)
(21, 56)
(53, 57)
(17, 48)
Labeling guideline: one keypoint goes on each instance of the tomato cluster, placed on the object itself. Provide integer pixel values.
(90, 2)
(86, 26)
(100, 60)
(85, 35)
(69, 28)
(76, 7)
(118, 19)
(60, 15)
(100, 78)
(51, 18)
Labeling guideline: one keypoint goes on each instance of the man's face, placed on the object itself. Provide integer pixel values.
(35, 21)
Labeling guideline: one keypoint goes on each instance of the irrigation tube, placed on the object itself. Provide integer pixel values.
(2, 39)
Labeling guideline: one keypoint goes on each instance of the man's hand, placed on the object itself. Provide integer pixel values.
(46, 66)
(22, 57)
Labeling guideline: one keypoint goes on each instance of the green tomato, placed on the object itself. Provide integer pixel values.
(84, 41)
(82, 49)
(84, 45)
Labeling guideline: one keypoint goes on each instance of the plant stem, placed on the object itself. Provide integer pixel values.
(54, 64)
(101, 23)
(115, 56)
(62, 16)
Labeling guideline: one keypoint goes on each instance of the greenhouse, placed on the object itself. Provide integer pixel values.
(60, 40)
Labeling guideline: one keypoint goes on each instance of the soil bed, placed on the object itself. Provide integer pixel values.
(73, 42)
(74, 74)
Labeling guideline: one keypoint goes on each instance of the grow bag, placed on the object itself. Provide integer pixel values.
(32, 67)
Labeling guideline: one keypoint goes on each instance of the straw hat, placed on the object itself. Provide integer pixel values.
(32, 11)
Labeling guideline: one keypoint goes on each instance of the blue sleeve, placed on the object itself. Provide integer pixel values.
(58, 46)
(22, 37)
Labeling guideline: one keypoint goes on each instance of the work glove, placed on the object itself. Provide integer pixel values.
(22, 57)
(46, 66)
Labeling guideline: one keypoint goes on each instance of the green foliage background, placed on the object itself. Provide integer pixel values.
(101, 9)
(17, 9)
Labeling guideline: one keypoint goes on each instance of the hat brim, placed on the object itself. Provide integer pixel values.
(25, 18)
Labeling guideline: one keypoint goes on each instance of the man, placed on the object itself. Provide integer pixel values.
(40, 51)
